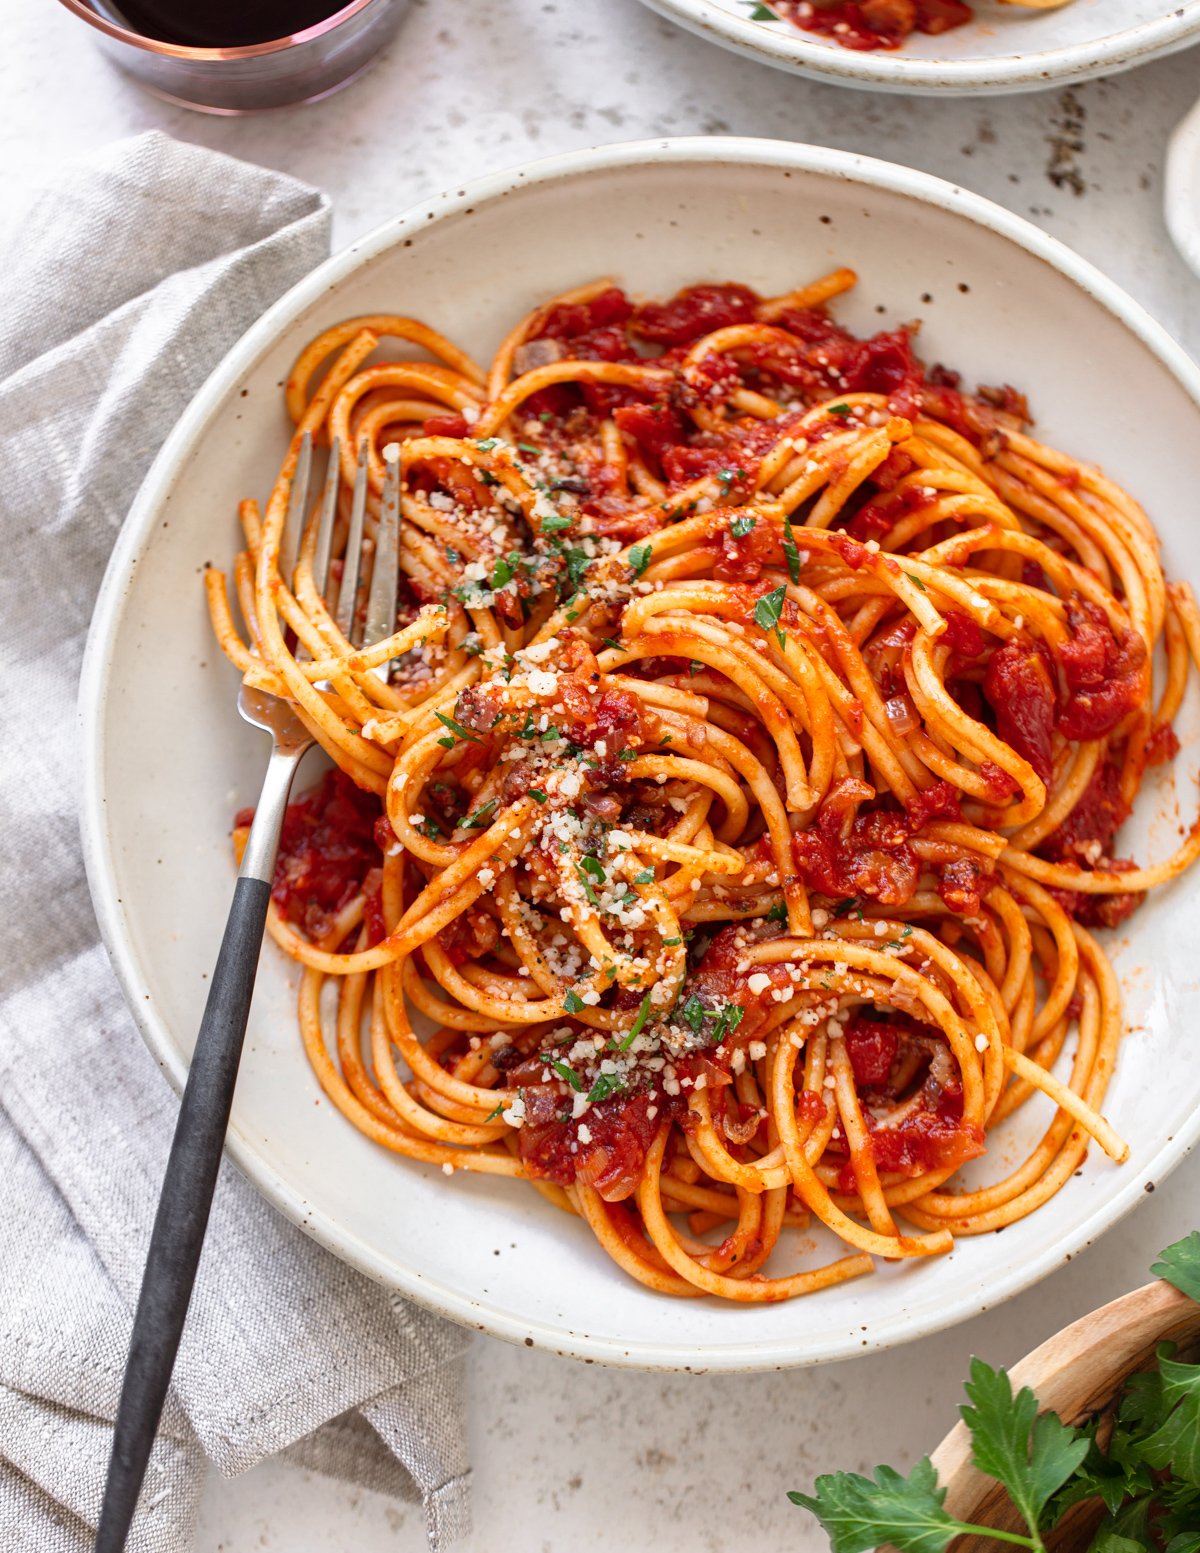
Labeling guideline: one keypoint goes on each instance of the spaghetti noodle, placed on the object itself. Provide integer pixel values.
(724, 848)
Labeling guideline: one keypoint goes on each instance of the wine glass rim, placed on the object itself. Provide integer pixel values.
(83, 9)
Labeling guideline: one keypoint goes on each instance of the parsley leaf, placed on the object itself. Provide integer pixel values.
(740, 527)
(645, 877)
(916, 581)
(639, 558)
(492, 1115)
(1180, 1265)
(635, 1029)
(564, 1072)
(1032, 1456)
(555, 522)
(762, 13)
(791, 551)
(1176, 1443)
(607, 1084)
(859, 1513)
(693, 1012)
(479, 818)
(769, 608)
(728, 1020)
(577, 562)
(573, 1004)
(505, 569)
(457, 729)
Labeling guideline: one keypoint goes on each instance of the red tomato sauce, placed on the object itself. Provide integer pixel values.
(327, 852)
(865, 25)
(888, 1055)
(620, 1131)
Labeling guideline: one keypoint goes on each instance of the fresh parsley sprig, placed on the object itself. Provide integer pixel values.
(1146, 1478)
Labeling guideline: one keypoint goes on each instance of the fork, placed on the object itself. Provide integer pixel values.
(191, 1174)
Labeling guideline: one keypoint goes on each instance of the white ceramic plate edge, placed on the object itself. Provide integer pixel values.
(100, 864)
(886, 71)
(1181, 197)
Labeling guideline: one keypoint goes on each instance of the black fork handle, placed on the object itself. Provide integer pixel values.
(183, 1209)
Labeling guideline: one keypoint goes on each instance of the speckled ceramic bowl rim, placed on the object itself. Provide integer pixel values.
(143, 517)
(899, 72)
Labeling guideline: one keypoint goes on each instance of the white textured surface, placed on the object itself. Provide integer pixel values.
(570, 1457)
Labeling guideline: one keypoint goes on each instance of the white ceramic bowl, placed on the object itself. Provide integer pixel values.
(1005, 49)
(167, 761)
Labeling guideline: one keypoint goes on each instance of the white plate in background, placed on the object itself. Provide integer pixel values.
(167, 760)
(1005, 49)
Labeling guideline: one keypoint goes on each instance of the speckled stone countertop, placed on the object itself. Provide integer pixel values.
(568, 1457)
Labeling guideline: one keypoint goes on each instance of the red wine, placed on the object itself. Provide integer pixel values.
(217, 24)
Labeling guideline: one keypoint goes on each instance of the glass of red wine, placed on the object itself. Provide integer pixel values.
(240, 56)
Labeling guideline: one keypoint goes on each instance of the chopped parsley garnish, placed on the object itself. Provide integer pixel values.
(456, 729)
(607, 1084)
(693, 1013)
(672, 943)
(728, 1020)
(505, 569)
(555, 522)
(474, 821)
(528, 447)
(577, 562)
(840, 409)
(608, 642)
(639, 558)
(778, 913)
(791, 551)
(568, 1075)
(573, 1004)
(635, 1029)
(916, 581)
(769, 608)
(536, 792)
(740, 527)
(492, 1115)
(645, 877)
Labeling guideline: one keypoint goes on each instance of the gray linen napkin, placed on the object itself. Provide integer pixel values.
(126, 279)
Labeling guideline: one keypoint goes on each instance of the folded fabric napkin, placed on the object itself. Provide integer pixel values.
(126, 280)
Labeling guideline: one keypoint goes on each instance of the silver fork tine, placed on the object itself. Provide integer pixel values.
(293, 526)
(385, 576)
(352, 565)
(328, 516)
